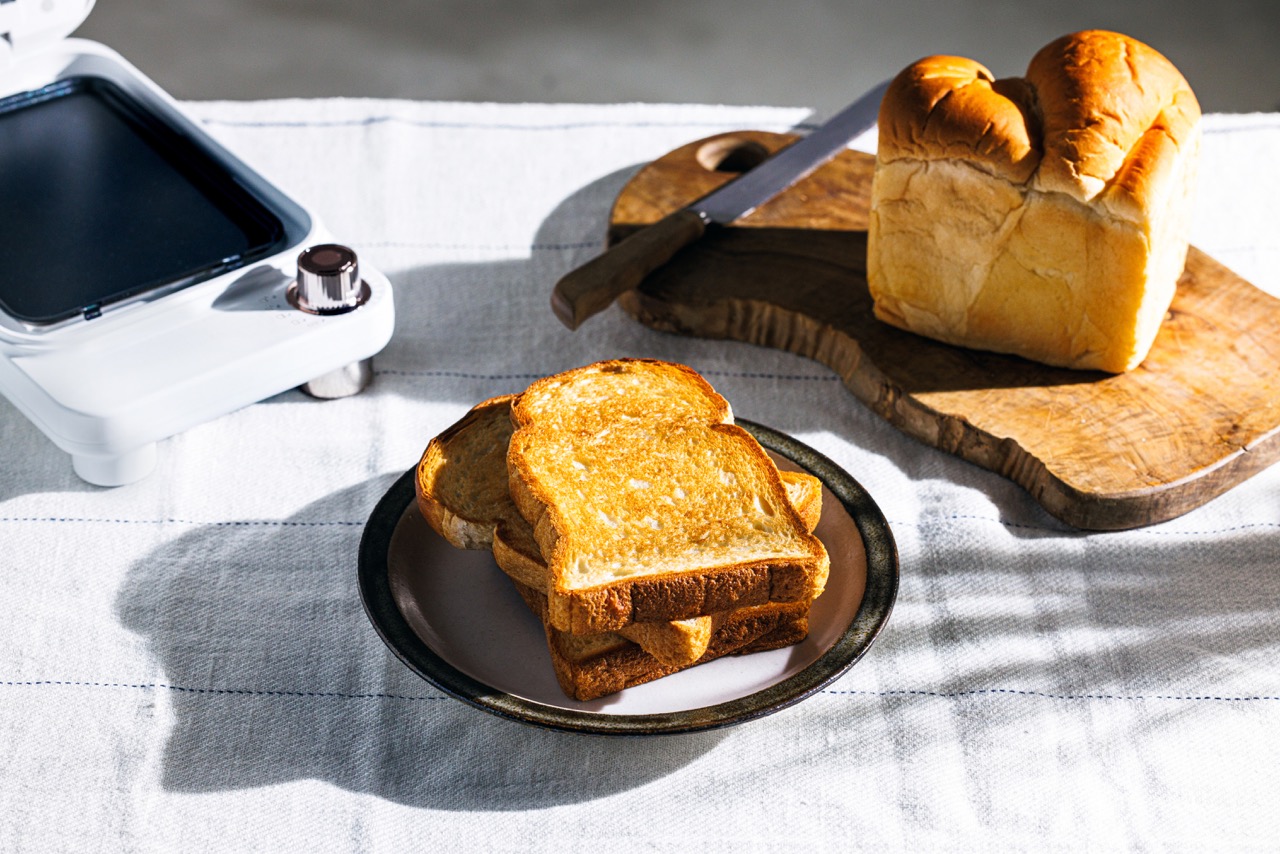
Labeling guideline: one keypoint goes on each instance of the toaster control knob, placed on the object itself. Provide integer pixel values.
(329, 283)
(328, 280)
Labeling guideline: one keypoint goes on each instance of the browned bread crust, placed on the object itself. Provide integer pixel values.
(461, 507)
(592, 666)
(1095, 116)
(1046, 215)
(654, 452)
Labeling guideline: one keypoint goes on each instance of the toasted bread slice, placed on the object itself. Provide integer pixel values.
(592, 666)
(646, 505)
(600, 395)
(461, 490)
(677, 643)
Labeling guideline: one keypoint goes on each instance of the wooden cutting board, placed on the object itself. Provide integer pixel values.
(1098, 451)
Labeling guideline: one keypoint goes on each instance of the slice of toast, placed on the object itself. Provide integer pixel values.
(677, 643)
(647, 505)
(462, 492)
(591, 666)
(460, 489)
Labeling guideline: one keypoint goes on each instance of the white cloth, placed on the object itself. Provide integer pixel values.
(185, 664)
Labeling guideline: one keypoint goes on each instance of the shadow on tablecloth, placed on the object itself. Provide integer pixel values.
(272, 674)
(267, 662)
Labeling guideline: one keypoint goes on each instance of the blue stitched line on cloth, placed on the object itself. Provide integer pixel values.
(960, 516)
(436, 124)
(454, 375)
(946, 695)
(277, 523)
(233, 523)
(978, 692)
(591, 125)
(150, 686)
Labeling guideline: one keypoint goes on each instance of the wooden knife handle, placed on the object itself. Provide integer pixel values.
(592, 287)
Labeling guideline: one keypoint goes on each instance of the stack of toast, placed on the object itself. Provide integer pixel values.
(645, 530)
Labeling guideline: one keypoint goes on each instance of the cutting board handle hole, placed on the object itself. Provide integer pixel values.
(731, 154)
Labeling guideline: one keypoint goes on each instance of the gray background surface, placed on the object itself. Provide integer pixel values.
(814, 53)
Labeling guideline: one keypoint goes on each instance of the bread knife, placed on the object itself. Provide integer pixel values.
(591, 288)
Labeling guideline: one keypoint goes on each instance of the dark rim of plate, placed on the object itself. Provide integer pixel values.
(872, 614)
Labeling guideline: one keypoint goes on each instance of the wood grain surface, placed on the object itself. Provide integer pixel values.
(1098, 451)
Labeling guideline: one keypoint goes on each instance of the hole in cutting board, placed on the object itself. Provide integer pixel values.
(731, 155)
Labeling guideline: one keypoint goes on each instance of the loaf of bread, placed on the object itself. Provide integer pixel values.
(462, 491)
(647, 505)
(1045, 216)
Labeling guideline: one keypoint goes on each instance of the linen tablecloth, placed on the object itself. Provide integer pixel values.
(185, 664)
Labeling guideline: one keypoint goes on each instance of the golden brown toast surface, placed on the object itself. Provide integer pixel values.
(646, 506)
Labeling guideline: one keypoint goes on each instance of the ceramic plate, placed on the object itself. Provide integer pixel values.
(453, 618)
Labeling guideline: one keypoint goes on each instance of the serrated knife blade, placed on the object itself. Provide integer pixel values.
(592, 287)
